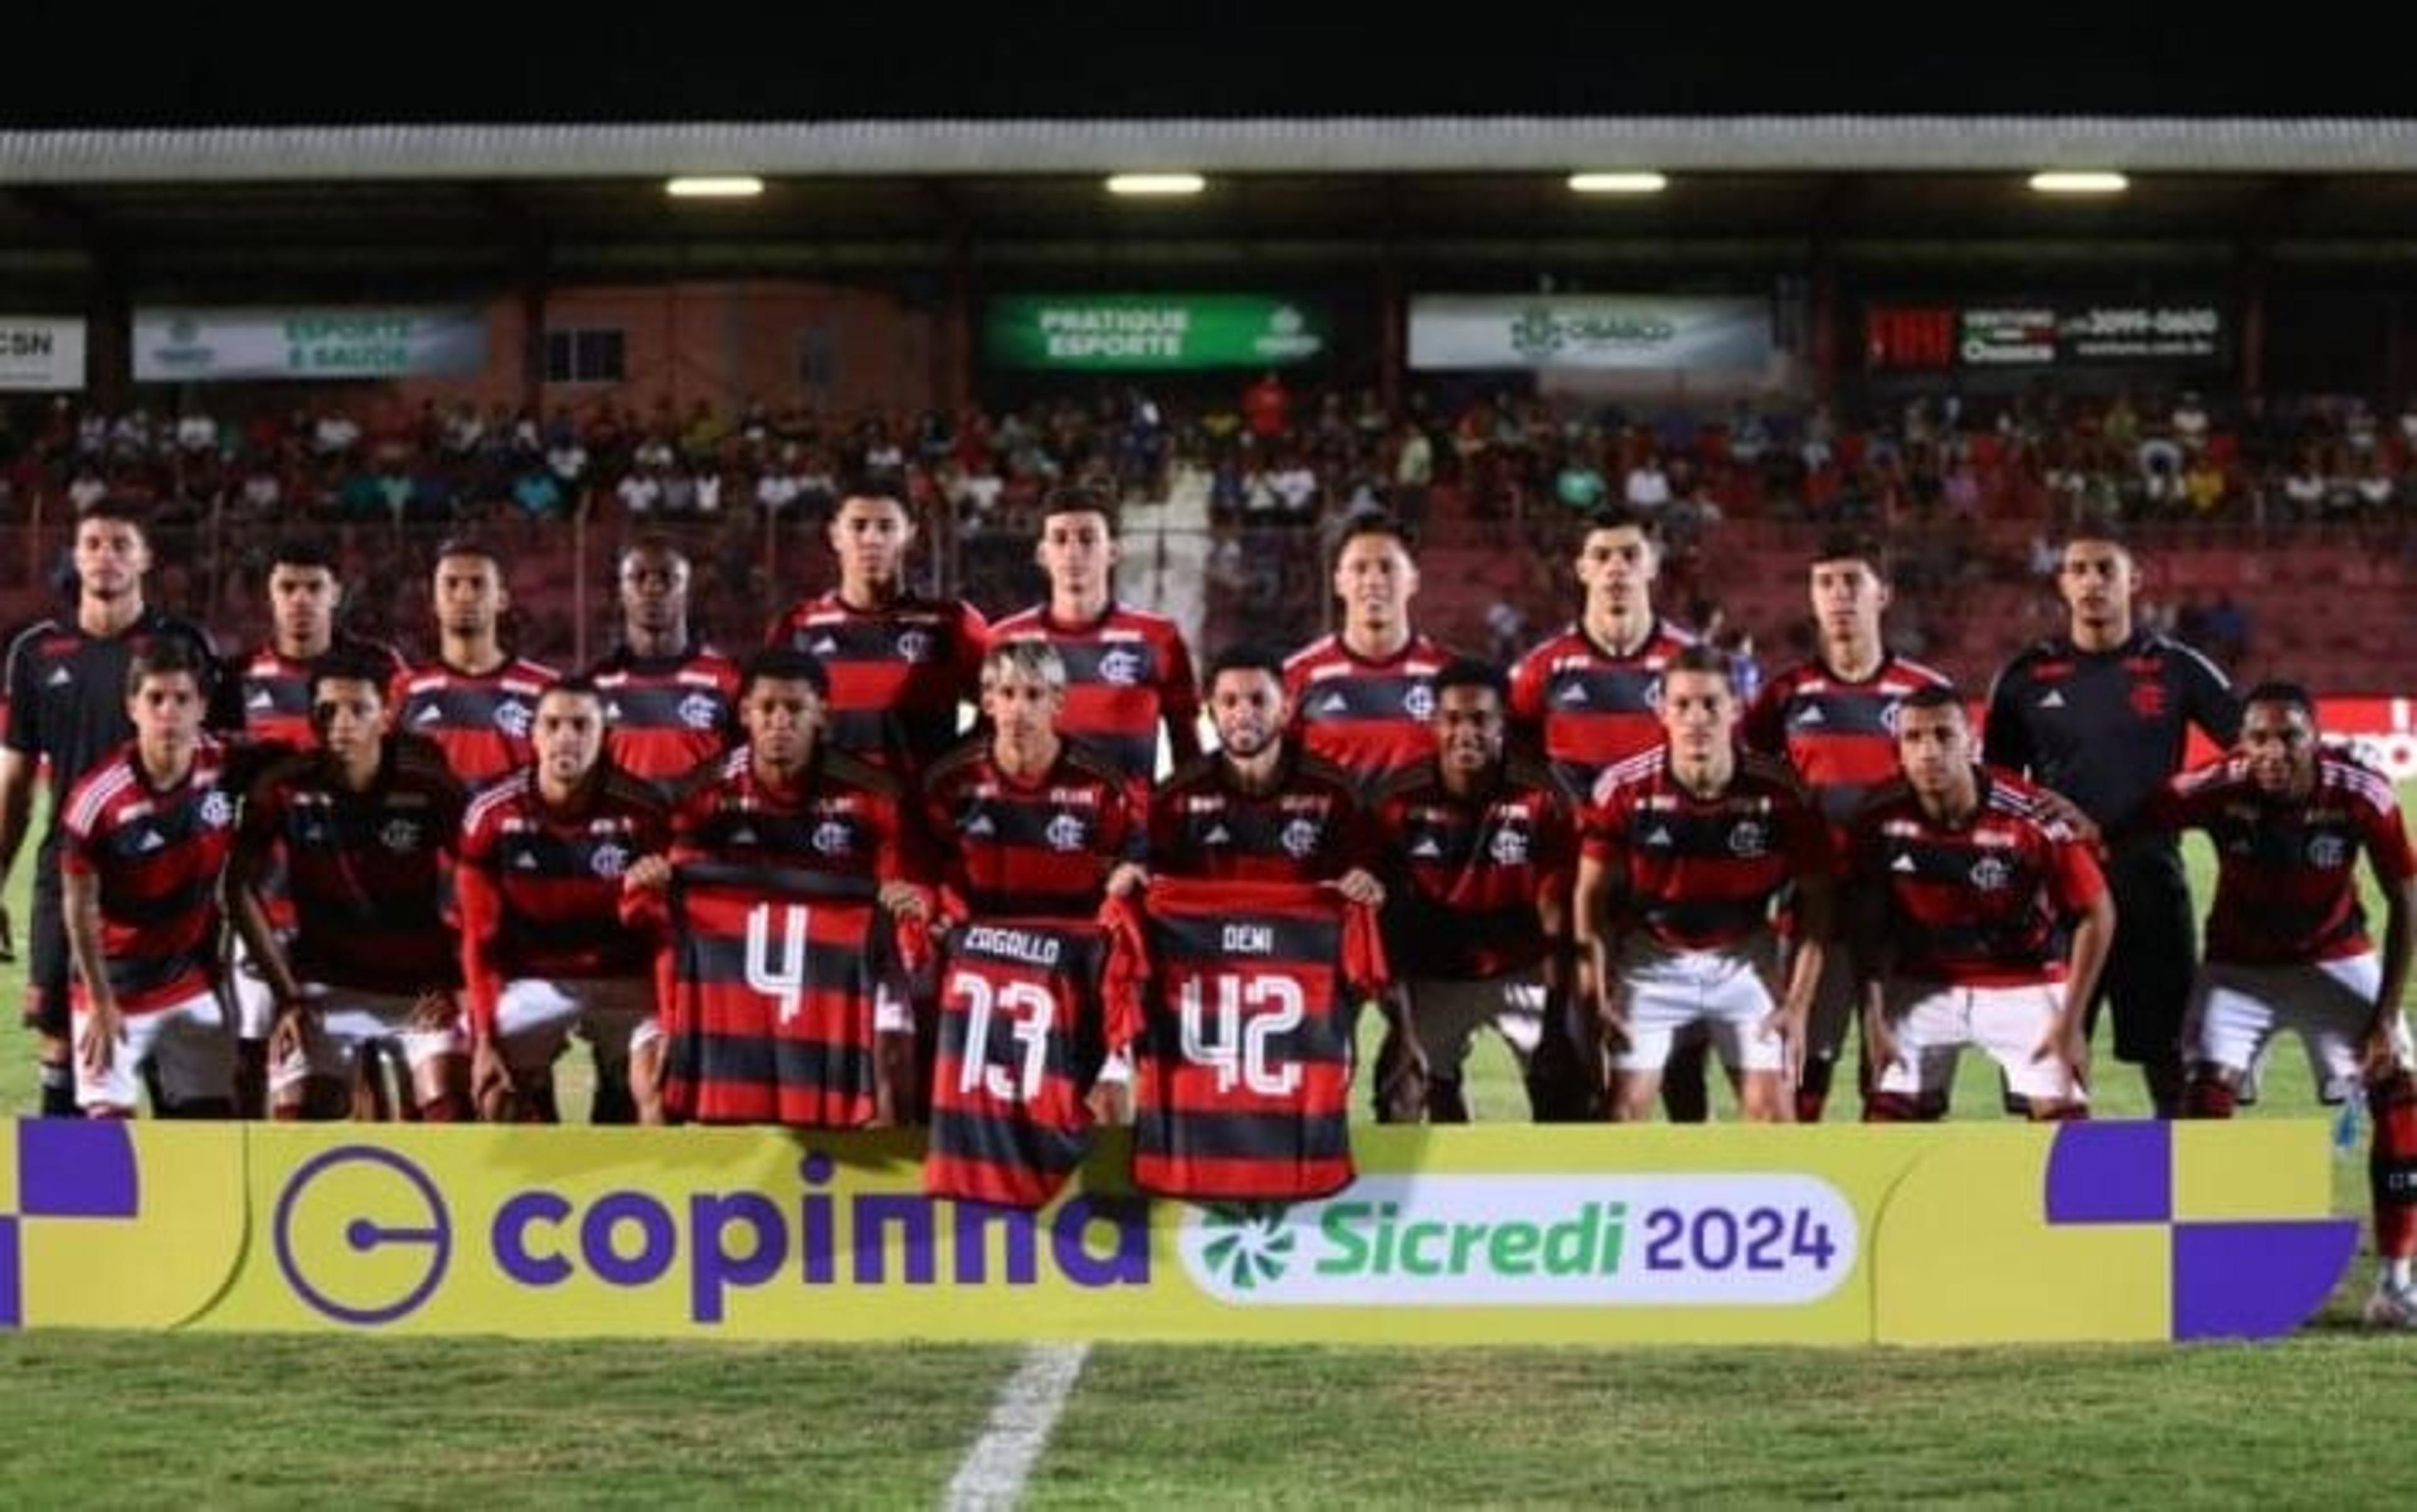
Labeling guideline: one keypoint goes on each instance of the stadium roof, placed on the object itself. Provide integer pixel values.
(1297, 145)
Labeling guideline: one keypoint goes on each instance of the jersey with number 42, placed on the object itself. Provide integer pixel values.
(1236, 999)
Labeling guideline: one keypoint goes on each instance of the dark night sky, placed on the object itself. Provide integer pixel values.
(389, 60)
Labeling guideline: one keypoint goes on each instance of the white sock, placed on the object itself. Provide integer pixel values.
(2395, 1274)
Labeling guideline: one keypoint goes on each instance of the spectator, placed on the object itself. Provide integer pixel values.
(1649, 486)
(2189, 423)
(1413, 474)
(640, 492)
(1580, 486)
(539, 493)
(1267, 407)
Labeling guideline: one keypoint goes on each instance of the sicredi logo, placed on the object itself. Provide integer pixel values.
(364, 1236)
(1532, 1240)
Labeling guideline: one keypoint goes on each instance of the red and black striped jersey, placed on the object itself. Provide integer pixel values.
(277, 692)
(1310, 827)
(666, 716)
(1839, 735)
(1369, 718)
(1586, 708)
(845, 818)
(776, 986)
(2286, 868)
(157, 856)
(1022, 1035)
(1236, 1002)
(480, 721)
(540, 891)
(1463, 876)
(1042, 846)
(1982, 904)
(366, 872)
(897, 673)
(1702, 873)
(1126, 673)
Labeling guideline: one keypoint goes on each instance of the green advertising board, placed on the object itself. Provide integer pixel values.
(1151, 332)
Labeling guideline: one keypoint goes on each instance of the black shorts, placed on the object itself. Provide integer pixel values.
(47, 1010)
(2155, 957)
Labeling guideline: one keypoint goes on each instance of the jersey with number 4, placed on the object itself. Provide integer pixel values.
(1021, 1036)
(1235, 1000)
(776, 987)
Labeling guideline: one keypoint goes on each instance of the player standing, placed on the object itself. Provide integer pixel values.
(667, 699)
(474, 699)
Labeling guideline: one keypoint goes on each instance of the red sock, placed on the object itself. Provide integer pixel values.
(1893, 1108)
(1813, 1091)
(2208, 1096)
(2391, 1166)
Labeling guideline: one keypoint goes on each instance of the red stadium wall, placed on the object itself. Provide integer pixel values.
(723, 344)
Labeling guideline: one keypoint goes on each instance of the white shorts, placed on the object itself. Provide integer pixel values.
(1449, 1013)
(534, 1019)
(185, 1040)
(1934, 1023)
(2236, 1011)
(1723, 994)
(352, 1017)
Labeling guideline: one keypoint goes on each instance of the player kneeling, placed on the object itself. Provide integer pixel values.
(146, 836)
(1963, 876)
(364, 824)
(2287, 946)
(543, 948)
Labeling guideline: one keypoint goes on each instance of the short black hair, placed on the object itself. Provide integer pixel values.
(2104, 527)
(1935, 696)
(878, 483)
(2289, 695)
(1375, 523)
(124, 511)
(1242, 658)
(653, 541)
(1622, 517)
(345, 662)
(579, 684)
(1081, 498)
(1468, 672)
(468, 546)
(163, 656)
(306, 552)
(1703, 657)
(783, 663)
(1853, 546)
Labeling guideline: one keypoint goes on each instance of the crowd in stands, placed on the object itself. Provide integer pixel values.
(1272, 455)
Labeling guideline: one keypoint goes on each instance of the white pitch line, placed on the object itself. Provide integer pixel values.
(992, 1478)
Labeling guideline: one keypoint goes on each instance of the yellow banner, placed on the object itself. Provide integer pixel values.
(1940, 1234)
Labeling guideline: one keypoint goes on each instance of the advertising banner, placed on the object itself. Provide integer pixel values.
(1936, 1235)
(191, 345)
(1151, 332)
(1602, 332)
(41, 353)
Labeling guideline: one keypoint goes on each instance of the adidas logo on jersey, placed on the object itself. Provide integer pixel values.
(980, 826)
(429, 715)
(1572, 694)
(1426, 849)
(261, 698)
(2054, 699)
(150, 842)
(1218, 835)
(1812, 715)
(525, 862)
(1333, 703)
(61, 677)
(824, 646)
(1902, 864)
(1658, 836)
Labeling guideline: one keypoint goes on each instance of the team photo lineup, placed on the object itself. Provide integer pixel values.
(777, 885)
